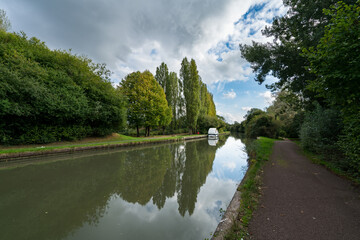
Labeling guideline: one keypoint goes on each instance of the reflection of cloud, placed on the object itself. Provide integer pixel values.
(230, 165)
(123, 218)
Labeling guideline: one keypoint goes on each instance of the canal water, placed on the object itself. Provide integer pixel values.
(169, 191)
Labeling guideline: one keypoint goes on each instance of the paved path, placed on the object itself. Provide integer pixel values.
(302, 200)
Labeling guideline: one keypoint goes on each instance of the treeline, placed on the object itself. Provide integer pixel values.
(175, 104)
(48, 96)
(316, 57)
(53, 95)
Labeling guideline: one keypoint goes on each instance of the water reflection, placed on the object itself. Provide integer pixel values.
(212, 142)
(113, 195)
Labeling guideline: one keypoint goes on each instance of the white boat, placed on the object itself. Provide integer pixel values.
(213, 133)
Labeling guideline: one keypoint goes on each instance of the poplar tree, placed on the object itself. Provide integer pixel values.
(162, 75)
(190, 78)
(172, 96)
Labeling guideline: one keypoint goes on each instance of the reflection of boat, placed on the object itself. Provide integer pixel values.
(213, 133)
(212, 142)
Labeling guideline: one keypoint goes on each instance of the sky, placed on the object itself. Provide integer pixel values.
(137, 35)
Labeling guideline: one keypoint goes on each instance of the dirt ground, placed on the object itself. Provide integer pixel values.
(301, 200)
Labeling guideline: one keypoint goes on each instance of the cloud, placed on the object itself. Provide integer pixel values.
(268, 97)
(231, 117)
(126, 34)
(231, 94)
(246, 108)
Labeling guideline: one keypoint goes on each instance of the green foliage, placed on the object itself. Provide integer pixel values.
(205, 122)
(302, 27)
(287, 110)
(190, 78)
(50, 96)
(147, 105)
(320, 130)
(336, 63)
(337, 80)
(262, 125)
(238, 127)
(349, 143)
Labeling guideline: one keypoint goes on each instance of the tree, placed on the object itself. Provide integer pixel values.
(302, 27)
(287, 110)
(190, 78)
(147, 105)
(172, 96)
(336, 59)
(336, 63)
(162, 75)
(48, 96)
(5, 24)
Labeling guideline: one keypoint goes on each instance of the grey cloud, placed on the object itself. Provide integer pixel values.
(89, 27)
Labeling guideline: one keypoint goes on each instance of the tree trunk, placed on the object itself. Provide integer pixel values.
(163, 130)
(137, 131)
(148, 131)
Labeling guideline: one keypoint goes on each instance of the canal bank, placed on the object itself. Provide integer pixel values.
(22, 153)
(235, 221)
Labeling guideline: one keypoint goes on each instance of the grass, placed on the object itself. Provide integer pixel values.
(89, 142)
(259, 152)
(319, 159)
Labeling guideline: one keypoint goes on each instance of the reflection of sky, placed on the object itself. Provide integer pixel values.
(123, 220)
(230, 161)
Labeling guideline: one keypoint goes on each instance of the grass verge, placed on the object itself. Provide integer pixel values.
(112, 140)
(259, 152)
(319, 159)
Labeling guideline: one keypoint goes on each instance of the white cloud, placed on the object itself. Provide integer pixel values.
(135, 35)
(246, 108)
(123, 33)
(268, 97)
(231, 94)
(231, 117)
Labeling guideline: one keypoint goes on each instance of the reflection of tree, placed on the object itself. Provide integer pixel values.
(48, 201)
(142, 173)
(199, 159)
(168, 186)
(51, 200)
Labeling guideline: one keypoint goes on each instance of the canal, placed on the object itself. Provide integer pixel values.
(167, 191)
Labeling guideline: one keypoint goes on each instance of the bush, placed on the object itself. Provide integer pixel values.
(349, 143)
(48, 96)
(320, 130)
(262, 125)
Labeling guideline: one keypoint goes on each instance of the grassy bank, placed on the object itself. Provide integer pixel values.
(115, 139)
(332, 166)
(259, 152)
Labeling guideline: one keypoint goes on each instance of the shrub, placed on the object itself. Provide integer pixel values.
(262, 125)
(320, 130)
(349, 143)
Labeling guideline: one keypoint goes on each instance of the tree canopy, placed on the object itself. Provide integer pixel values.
(47, 96)
(147, 105)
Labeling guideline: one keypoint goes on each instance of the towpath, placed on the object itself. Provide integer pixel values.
(301, 200)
